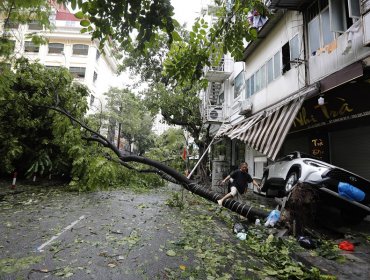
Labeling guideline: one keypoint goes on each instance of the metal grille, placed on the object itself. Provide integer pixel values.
(350, 178)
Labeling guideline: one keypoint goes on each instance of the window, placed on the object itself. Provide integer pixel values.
(95, 77)
(221, 98)
(328, 17)
(319, 31)
(277, 65)
(354, 9)
(270, 71)
(239, 84)
(257, 81)
(338, 12)
(80, 49)
(77, 72)
(35, 25)
(247, 88)
(56, 48)
(29, 46)
(92, 99)
(52, 67)
(327, 35)
(314, 35)
(250, 86)
(294, 48)
(11, 25)
(285, 51)
(263, 76)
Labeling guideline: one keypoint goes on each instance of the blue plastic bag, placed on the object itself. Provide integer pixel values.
(272, 218)
(350, 192)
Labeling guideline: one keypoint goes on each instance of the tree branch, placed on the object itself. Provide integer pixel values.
(168, 173)
(8, 17)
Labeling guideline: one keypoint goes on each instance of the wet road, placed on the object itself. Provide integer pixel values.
(48, 233)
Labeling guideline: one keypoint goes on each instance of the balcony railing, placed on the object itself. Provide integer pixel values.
(219, 72)
(345, 50)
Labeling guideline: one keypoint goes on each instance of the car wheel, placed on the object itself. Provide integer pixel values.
(291, 181)
(263, 184)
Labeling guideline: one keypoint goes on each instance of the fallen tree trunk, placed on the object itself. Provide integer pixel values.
(166, 172)
(245, 210)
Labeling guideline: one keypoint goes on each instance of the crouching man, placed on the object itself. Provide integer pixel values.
(241, 179)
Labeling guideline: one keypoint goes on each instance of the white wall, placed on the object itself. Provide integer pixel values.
(105, 66)
(283, 86)
(291, 81)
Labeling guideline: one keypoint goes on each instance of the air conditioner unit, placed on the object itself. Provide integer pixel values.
(215, 114)
(245, 107)
(214, 91)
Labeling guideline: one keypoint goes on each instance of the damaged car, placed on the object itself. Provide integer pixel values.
(337, 184)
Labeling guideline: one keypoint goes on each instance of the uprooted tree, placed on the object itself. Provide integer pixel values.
(164, 171)
(56, 101)
(185, 58)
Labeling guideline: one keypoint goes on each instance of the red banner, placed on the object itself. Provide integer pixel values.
(184, 154)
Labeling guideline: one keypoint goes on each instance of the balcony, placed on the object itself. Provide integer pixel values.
(220, 72)
(345, 50)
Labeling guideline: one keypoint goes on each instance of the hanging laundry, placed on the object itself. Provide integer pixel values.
(256, 20)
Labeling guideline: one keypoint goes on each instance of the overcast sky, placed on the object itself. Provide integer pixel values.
(187, 10)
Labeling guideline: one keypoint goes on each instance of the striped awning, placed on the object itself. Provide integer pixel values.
(266, 132)
(240, 130)
(223, 130)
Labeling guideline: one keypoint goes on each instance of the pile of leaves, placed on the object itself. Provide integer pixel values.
(218, 254)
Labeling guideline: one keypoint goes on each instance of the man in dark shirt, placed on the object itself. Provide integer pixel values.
(239, 185)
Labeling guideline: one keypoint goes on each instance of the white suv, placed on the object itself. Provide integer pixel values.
(279, 178)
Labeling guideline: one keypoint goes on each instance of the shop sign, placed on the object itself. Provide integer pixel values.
(336, 108)
(319, 146)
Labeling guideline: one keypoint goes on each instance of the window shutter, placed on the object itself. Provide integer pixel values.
(337, 13)
(354, 8)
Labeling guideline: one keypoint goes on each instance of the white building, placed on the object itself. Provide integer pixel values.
(268, 104)
(69, 48)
